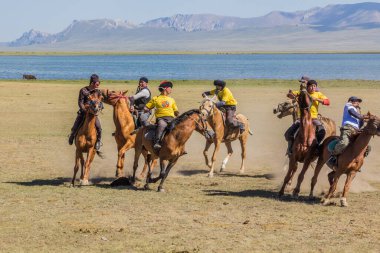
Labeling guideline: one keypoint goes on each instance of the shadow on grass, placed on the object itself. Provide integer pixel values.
(268, 176)
(268, 194)
(192, 172)
(44, 182)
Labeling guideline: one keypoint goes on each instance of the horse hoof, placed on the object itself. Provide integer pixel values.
(295, 195)
(146, 187)
(221, 169)
(84, 183)
(343, 202)
(210, 175)
(161, 189)
(326, 202)
(241, 171)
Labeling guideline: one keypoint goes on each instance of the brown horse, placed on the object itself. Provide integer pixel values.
(305, 143)
(290, 107)
(215, 120)
(86, 138)
(173, 144)
(125, 126)
(349, 162)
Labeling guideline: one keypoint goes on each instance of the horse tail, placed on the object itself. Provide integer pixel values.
(100, 154)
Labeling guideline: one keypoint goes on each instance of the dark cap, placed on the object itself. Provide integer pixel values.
(310, 82)
(143, 78)
(220, 83)
(304, 78)
(354, 99)
(94, 78)
(165, 84)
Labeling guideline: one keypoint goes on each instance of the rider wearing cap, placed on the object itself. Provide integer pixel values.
(166, 110)
(317, 98)
(351, 123)
(138, 102)
(226, 101)
(82, 100)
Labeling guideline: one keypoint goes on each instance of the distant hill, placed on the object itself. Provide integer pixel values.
(347, 27)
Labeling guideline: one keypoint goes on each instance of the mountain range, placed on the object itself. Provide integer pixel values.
(344, 27)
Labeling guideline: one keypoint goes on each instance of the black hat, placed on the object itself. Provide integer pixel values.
(165, 84)
(354, 99)
(310, 82)
(304, 78)
(94, 78)
(143, 78)
(220, 83)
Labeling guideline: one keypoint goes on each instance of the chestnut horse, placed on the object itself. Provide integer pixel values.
(85, 138)
(349, 162)
(173, 144)
(125, 126)
(305, 143)
(222, 134)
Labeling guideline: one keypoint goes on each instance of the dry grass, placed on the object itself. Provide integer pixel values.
(228, 213)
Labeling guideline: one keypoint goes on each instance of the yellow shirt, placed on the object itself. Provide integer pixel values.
(314, 107)
(225, 95)
(165, 106)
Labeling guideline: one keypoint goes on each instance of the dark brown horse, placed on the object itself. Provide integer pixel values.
(349, 162)
(216, 123)
(86, 138)
(305, 143)
(173, 144)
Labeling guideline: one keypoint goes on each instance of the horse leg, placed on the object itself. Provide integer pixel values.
(136, 162)
(320, 163)
(144, 170)
(225, 161)
(289, 174)
(213, 159)
(208, 144)
(347, 185)
(149, 175)
(168, 168)
(76, 166)
(243, 144)
(121, 158)
(90, 158)
(301, 176)
(332, 189)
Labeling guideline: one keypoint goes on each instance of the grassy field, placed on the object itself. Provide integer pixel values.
(228, 213)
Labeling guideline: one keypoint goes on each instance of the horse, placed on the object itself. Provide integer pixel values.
(349, 162)
(173, 144)
(305, 143)
(125, 126)
(222, 133)
(29, 77)
(86, 138)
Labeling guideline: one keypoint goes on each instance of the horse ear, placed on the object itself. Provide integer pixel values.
(125, 92)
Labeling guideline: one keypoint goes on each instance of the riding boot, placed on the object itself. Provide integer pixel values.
(320, 135)
(290, 145)
(157, 140)
(241, 127)
(98, 143)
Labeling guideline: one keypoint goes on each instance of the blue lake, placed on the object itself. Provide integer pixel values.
(223, 66)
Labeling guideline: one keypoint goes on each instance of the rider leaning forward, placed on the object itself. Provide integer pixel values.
(226, 101)
(82, 100)
(166, 110)
(317, 98)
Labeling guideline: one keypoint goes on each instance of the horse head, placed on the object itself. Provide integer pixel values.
(373, 124)
(94, 103)
(207, 107)
(111, 97)
(285, 108)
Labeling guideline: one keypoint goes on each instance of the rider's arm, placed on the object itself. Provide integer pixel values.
(142, 94)
(220, 103)
(150, 105)
(323, 99)
(175, 108)
(355, 114)
(81, 100)
(292, 94)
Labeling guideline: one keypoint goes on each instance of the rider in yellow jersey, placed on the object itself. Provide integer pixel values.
(317, 98)
(226, 101)
(166, 110)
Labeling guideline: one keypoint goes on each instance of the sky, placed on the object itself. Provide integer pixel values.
(53, 16)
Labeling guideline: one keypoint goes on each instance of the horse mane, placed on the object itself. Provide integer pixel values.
(182, 118)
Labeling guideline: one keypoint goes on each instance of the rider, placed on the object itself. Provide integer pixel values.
(139, 100)
(82, 100)
(166, 110)
(317, 98)
(351, 123)
(226, 101)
